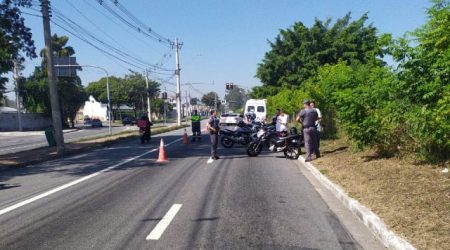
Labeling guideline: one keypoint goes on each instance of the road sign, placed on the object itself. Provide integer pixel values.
(70, 66)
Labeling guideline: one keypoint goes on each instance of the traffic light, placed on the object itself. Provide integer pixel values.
(164, 95)
(229, 85)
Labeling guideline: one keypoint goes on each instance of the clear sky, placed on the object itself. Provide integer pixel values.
(223, 40)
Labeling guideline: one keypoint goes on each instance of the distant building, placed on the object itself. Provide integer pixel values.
(94, 109)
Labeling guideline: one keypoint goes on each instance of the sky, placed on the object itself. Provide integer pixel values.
(222, 40)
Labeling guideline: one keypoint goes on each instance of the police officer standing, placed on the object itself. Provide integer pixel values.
(213, 127)
(195, 121)
(308, 117)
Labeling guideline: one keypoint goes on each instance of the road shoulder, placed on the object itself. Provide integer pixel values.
(367, 228)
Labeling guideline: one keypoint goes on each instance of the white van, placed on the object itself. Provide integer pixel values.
(257, 106)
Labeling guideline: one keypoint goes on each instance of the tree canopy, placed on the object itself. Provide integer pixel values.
(35, 92)
(130, 90)
(395, 109)
(211, 99)
(236, 98)
(15, 38)
(297, 52)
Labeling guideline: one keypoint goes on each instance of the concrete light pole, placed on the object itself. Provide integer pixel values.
(177, 72)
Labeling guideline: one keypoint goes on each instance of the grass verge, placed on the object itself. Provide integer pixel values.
(412, 198)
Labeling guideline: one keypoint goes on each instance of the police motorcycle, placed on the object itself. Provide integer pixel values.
(243, 132)
(241, 135)
(267, 136)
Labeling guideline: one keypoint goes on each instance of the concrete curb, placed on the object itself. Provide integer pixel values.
(370, 219)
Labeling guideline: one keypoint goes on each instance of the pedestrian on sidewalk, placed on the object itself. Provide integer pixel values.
(308, 117)
(213, 127)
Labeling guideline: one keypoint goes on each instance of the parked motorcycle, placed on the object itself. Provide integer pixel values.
(242, 135)
(290, 145)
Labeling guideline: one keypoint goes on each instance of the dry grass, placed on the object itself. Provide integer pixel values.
(413, 199)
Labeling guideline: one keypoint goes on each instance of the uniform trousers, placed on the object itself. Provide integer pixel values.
(310, 137)
(214, 142)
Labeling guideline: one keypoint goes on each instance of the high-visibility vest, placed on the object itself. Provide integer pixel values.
(196, 118)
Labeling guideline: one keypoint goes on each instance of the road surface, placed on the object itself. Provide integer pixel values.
(12, 142)
(119, 198)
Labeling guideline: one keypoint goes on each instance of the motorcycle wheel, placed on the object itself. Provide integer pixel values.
(292, 152)
(226, 142)
(254, 149)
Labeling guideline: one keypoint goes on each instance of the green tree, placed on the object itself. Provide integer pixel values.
(15, 38)
(297, 52)
(424, 73)
(70, 90)
(211, 99)
(117, 91)
(135, 85)
(236, 98)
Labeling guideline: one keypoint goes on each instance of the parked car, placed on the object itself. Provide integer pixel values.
(96, 123)
(230, 119)
(129, 120)
(87, 121)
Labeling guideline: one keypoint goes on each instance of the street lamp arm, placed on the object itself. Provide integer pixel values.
(107, 88)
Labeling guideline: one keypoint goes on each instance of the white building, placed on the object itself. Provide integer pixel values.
(95, 109)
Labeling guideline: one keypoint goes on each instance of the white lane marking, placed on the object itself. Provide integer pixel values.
(156, 233)
(57, 189)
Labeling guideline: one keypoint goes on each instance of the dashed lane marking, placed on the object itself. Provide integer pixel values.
(75, 182)
(156, 233)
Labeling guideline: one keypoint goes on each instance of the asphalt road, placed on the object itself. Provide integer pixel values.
(120, 198)
(11, 142)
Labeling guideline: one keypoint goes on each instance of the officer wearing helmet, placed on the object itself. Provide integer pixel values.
(250, 117)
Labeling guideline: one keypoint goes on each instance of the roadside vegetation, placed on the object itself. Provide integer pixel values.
(387, 128)
(393, 109)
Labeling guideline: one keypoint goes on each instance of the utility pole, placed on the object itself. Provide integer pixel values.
(149, 110)
(215, 101)
(54, 100)
(177, 72)
(16, 80)
(187, 105)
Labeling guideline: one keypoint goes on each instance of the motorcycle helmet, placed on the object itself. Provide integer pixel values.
(251, 116)
(293, 131)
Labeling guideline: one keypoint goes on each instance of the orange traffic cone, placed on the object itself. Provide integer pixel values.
(162, 153)
(185, 137)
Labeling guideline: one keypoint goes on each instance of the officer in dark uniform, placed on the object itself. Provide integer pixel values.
(213, 127)
(195, 121)
(308, 117)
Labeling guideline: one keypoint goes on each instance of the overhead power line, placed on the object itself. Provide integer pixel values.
(161, 39)
(147, 31)
(80, 30)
